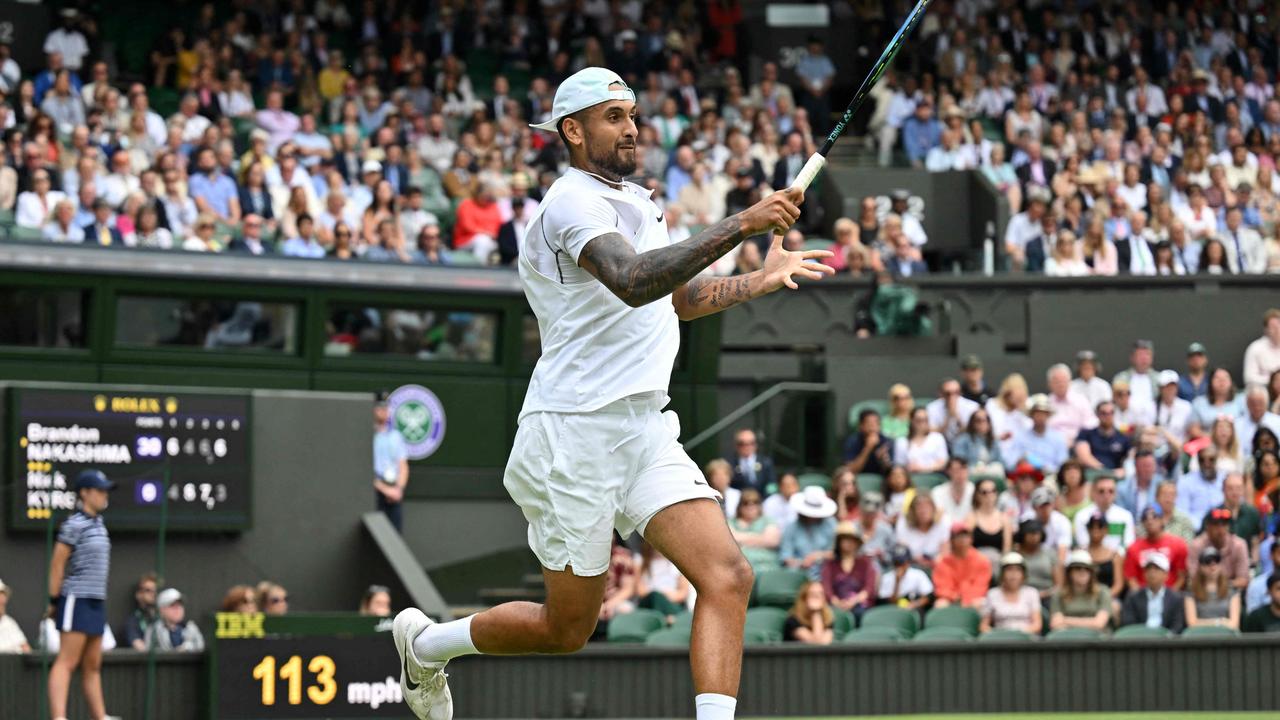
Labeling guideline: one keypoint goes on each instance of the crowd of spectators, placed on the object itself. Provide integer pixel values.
(1152, 498)
(1126, 141)
(158, 617)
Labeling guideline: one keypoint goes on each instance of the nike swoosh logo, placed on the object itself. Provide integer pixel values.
(661, 216)
(408, 679)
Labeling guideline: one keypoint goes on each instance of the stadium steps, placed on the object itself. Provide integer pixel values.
(531, 589)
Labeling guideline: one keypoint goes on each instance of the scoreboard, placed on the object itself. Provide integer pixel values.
(200, 441)
(303, 666)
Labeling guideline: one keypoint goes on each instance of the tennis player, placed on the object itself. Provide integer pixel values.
(594, 451)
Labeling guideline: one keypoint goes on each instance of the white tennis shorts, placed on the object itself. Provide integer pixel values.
(580, 476)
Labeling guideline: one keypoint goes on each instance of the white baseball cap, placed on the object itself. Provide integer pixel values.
(581, 90)
(1167, 377)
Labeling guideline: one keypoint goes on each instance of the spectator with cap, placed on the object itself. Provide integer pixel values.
(1209, 599)
(1012, 604)
(1104, 447)
(807, 542)
(954, 498)
(1262, 356)
(77, 594)
(777, 507)
(877, 533)
(1255, 416)
(1176, 522)
(1081, 601)
(1155, 605)
(961, 577)
(12, 639)
(1266, 619)
(868, 450)
(390, 463)
(1041, 562)
(1173, 414)
(1087, 383)
(903, 584)
(750, 467)
(1039, 445)
(173, 631)
(949, 413)
(1138, 491)
(1118, 521)
(1155, 539)
(1233, 552)
(1024, 479)
(1140, 377)
(143, 613)
(1056, 526)
(972, 385)
(1200, 490)
(1255, 595)
(1072, 412)
(849, 577)
(1194, 382)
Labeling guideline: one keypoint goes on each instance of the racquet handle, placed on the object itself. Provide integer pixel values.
(811, 168)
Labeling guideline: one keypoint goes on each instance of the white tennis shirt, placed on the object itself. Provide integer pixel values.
(595, 348)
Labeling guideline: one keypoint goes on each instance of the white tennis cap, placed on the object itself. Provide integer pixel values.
(581, 90)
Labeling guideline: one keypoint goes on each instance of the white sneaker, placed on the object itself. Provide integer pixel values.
(423, 685)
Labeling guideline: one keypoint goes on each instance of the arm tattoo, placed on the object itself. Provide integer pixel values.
(715, 294)
(639, 279)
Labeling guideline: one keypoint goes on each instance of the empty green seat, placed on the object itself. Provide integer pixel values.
(818, 244)
(634, 626)
(873, 635)
(684, 621)
(944, 633)
(768, 619)
(815, 480)
(1074, 634)
(1210, 631)
(778, 587)
(907, 622)
(843, 622)
(668, 637)
(966, 619)
(1003, 634)
(870, 482)
(927, 481)
(756, 636)
(1140, 631)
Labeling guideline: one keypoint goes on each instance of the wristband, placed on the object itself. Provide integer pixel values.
(53, 599)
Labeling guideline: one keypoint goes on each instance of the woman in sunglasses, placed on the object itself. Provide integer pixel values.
(273, 599)
(1212, 600)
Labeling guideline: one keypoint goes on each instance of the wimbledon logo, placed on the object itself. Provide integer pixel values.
(417, 413)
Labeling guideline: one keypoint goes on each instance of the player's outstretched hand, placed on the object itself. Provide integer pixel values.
(781, 266)
(776, 213)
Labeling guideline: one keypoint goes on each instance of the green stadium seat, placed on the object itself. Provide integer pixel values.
(870, 482)
(880, 406)
(19, 233)
(1091, 474)
(818, 244)
(815, 480)
(668, 637)
(464, 259)
(6, 217)
(873, 635)
(1075, 634)
(684, 621)
(778, 587)
(1210, 631)
(927, 481)
(767, 619)
(905, 621)
(966, 619)
(756, 636)
(844, 622)
(1129, 632)
(943, 633)
(634, 626)
(1003, 634)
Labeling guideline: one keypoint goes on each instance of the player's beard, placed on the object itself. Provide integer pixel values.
(612, 161)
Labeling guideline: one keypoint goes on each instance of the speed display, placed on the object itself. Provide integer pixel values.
(133, 436)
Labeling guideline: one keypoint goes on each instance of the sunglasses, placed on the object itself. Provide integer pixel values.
(278, 600)
(1210, 561)
(987, 492)
(749, 503)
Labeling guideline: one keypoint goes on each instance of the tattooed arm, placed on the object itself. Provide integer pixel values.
(640, 278)
(703, 296)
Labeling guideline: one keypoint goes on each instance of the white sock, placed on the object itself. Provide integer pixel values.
(443, 642)
(715, 707)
